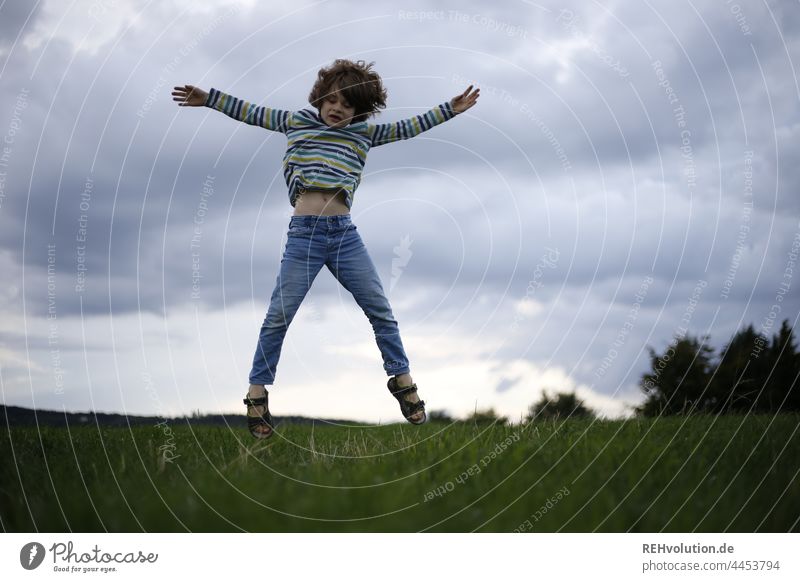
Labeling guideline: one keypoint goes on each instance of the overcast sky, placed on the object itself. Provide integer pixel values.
(630, 171)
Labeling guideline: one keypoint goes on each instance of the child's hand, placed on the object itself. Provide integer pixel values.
(190, 96)
(461, 103)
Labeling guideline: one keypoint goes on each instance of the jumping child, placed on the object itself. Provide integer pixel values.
(326, 152)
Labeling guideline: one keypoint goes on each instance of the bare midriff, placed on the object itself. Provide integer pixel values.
(321, 202)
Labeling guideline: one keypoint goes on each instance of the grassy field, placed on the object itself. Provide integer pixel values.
(704, 474)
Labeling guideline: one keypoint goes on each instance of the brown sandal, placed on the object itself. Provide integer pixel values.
(408, 409)
(263, 419)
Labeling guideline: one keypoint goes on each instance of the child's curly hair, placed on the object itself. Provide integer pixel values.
(360, 86)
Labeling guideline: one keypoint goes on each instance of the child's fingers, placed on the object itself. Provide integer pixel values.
(183, 95)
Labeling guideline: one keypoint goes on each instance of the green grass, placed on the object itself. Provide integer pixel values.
(701, 473)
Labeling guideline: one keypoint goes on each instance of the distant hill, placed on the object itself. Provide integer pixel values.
(20, 416)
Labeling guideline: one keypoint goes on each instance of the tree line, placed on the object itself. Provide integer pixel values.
(751, 373)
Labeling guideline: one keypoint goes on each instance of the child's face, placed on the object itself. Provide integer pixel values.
(335, 110)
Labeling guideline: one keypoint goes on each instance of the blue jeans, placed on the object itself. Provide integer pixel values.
(332, 241)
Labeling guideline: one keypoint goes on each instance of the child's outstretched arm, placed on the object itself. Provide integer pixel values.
(272, 119)
(388, 132)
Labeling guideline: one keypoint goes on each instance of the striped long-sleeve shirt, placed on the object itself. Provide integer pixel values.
(319, 156)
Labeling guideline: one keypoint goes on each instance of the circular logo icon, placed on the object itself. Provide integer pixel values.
(31, 555)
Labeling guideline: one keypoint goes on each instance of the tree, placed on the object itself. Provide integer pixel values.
(739, 374)
(752, 375)
(486, 417)
(439, 416)
(679, 379)
(563, 405)
(781, 391)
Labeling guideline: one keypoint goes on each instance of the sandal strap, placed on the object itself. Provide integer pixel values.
(403, 390)
(259, 420)
(414, 407)
(255, 401)
(256, 421)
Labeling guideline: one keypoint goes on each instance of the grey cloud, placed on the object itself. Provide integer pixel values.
(138, 257)
(507, 384)
(16, 16)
